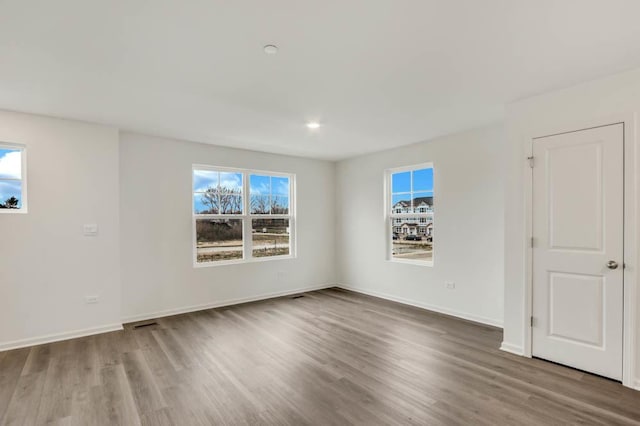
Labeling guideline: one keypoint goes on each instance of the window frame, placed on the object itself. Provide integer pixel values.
(246, 217)
(23, 178)
(390, 215)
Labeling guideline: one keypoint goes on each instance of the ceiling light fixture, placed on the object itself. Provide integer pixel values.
(271, 49)
(313, 125)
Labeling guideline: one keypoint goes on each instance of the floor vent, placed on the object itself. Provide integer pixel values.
(298, 296)
(148, 324)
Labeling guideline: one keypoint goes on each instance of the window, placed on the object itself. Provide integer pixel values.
(410, 210)
(242, 215)
(13, 179)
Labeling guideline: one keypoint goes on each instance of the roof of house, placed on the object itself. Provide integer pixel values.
(413, 224)
(416, 202)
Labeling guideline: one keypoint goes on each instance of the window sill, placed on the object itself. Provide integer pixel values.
(241, 261)
(13, 211)
(428, 263)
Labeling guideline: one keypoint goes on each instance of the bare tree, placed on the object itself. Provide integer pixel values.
(236, 203)
(222, 200)
(260, 204)
(224, 194)
(211, 200)
(277, 207)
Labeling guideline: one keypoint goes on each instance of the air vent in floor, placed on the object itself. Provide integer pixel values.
(148, 324)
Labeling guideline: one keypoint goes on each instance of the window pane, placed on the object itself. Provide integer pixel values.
(260, 204)
(422, 202)
(205, 202)
(230, 204)
(423, 180)
(401, 182)
(218, 239)
(230, 193)
(270, 237)
(231, 182)
(204, 179)
(280, 186)
(411, 240)
(279, 204)
(259, 185)
(10, 163)
(10, 194)
(400, 203)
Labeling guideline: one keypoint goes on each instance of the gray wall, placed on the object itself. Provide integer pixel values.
(158, 276)
(47, 265)
(468, 226)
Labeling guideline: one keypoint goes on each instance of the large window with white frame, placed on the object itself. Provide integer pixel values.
(242, 215)
(13, 178)
(409, 213)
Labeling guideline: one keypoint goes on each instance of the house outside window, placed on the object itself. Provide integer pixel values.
(410, 207)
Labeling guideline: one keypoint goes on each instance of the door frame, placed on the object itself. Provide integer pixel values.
(631, 237)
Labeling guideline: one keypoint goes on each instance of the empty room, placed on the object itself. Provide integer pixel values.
(383, 212)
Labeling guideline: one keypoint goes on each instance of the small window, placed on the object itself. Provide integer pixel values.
(240, 215)
(13, 179)
(410, 201)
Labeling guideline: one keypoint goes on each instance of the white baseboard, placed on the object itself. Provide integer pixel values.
(512, 349)
(56, 337)
(434, 308)
(219, 304)
(636, 385)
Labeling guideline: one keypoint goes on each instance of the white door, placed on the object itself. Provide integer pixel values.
(578, 184)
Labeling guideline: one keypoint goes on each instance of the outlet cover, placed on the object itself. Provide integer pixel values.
(91, 299)
(90, 230)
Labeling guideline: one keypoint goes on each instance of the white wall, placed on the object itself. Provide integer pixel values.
(47, 266)
(468, 226)
(158, 276)
(598, 102)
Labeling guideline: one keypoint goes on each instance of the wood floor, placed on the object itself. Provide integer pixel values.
(331, 357)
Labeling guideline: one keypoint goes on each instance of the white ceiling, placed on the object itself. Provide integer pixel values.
(376, 73)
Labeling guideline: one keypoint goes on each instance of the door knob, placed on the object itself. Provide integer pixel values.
(612, 264)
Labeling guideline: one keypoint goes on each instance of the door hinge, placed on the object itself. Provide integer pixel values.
(530, 159)
(532, 322)
(532, 242)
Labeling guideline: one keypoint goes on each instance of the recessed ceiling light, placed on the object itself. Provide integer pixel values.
(313, 125)
(271, 49)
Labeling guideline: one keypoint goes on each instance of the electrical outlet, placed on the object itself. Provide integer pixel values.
(90, 230)
(91, 299)
(450, 285)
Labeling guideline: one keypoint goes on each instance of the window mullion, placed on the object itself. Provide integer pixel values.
(270, 195)
(411, 186)
(270, 216)
(292, 237)
(247, 237)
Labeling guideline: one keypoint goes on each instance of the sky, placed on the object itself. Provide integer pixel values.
(259, 185)
(10, 168)
(401, 184)
(203, 179)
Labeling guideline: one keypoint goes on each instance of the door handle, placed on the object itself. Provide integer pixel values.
(612, 264)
